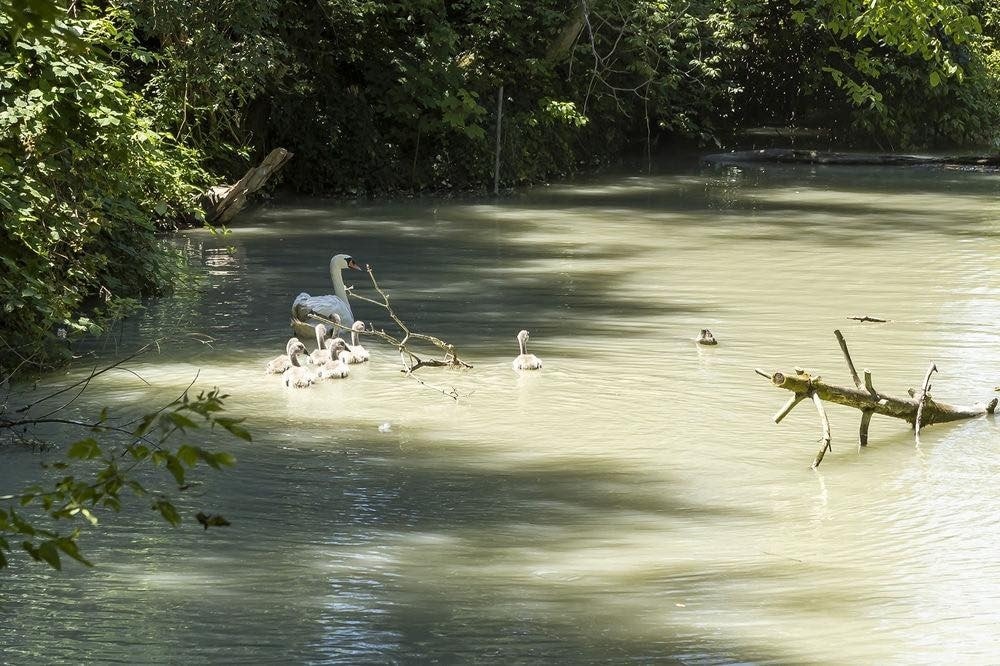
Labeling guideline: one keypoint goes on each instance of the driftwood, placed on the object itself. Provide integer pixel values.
(224, 202)
(919, 410)
(869, 318)
(801, 156)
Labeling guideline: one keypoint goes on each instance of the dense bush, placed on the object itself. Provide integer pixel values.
(83, 176)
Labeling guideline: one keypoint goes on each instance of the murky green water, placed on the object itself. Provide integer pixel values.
(633, 500)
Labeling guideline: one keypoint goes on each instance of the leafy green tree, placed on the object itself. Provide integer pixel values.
(916, 71)
(84, 178)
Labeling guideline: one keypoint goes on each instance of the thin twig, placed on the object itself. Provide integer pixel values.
(924, 397)
(847, 357)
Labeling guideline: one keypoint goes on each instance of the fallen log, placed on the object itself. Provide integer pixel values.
(919, 411)
(803, 156)
(224, 202)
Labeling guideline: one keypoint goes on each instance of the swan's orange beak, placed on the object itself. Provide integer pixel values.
(353, 264)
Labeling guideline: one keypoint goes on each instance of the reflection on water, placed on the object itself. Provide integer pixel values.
(632, 500)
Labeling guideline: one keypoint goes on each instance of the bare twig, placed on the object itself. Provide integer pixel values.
(826, 440)
(408, 358)
(924, 397)
(847, 357)
(87, 379)
(789, 406)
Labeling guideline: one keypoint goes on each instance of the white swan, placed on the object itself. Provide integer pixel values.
(298, 376)
(337, 367)
(329, 305)
(279, 364)
(358, 354)
(524, 360)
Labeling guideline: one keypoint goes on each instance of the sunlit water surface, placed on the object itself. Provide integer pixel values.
(632, 501)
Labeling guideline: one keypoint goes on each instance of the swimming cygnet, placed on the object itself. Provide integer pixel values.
(357, 353)
(336, 368)
(298, 376)
(279, 364)
(524, 360)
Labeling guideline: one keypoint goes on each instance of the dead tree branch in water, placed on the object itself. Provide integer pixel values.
(409, 359)
(919, 410)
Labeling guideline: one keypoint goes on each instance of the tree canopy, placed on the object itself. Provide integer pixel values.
(116, 114)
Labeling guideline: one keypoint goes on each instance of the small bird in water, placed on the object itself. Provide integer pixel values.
(524, 360)
(280, 364)
(336, 367)
(706, 338)
(358, 354)
(298, 376)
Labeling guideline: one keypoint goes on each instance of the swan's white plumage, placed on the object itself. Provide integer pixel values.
(357, 353)
(280, 364)
(337, 367)
(524, 360)
(322, 353)
(298, 376)
(332, 305)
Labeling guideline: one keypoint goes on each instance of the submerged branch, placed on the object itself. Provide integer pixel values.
(408, 358)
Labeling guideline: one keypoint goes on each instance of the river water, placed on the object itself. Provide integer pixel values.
(631, 501)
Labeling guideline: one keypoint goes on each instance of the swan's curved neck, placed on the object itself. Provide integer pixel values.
(523, 345)
(354, 338)
(338, 282)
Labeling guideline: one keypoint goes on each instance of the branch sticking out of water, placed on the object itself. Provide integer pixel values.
(409, 359)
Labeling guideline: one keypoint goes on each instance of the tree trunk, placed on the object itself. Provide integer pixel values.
(798, 156)
(223, 203)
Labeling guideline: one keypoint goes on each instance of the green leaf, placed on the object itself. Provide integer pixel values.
(85, 449)
(168, 511)
(69, 546)
(188, 455)
(224, 458)
(175, 468)
(181, 421)
(233, 428)
(50, 553)
(935, 79)
(147, 422)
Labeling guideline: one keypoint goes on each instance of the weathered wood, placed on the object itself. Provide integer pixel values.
(801, 156)
(887, 405)
(922, 400)
(847, 357)
(496, 164)
(789, 406)
(562, 46)
(223, 203)
(827, 440)
(868, 318)
(918, 410)
(866, 419)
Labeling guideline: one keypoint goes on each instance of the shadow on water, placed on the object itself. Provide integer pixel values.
(484, 269)
(555, 259)
(370, 554)
(345, 548)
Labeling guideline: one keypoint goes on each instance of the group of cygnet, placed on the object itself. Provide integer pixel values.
(330, 359)
(332, 356)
